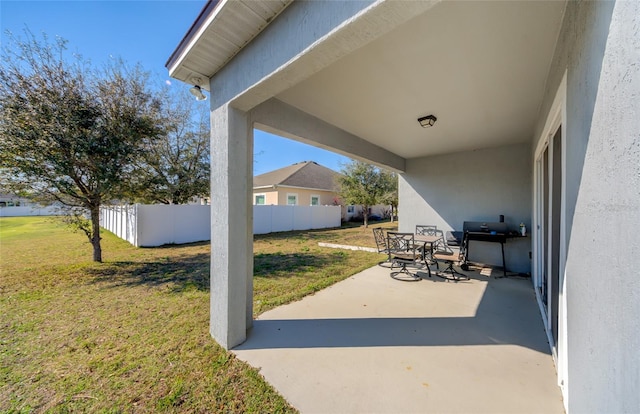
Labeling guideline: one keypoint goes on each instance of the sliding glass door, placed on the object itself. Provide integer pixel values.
(548, 229)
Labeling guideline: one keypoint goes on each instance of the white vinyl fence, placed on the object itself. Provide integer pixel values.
(28, 211)
(155, 225)
(270, 219)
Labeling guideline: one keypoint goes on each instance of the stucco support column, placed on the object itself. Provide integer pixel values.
(231, 226)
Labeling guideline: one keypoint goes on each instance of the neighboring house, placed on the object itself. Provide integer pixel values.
(537, 120)
(356, 213)
(11, 200)
(14, 206)
(305, 183)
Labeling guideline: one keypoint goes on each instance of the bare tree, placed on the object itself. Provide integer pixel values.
(175, 168)
(69, 134)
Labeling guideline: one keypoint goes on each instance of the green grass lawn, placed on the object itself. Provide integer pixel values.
(131, 334)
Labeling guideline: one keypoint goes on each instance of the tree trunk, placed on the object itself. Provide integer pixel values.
(365, 211)
(95, 234)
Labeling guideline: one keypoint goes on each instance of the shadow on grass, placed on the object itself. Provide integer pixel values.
(290, 264)
(181, 273)
(179, 247)
(297, 235)
(188, 272)
(328, 234)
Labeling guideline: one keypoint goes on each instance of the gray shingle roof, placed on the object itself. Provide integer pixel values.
(305, 174)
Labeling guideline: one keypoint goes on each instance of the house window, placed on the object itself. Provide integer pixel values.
(259, 199)
(315, 200)
(351, 209)
(292, 199)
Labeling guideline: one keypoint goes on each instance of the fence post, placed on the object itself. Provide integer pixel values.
(135, 227)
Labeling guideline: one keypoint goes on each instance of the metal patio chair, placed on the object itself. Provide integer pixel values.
(426, 229)
(404, 252)
(382, 246)
(443, 253)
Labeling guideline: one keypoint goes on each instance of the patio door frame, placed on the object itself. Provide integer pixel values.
(543, 240)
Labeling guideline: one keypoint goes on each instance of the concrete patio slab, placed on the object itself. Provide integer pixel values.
(372, 344)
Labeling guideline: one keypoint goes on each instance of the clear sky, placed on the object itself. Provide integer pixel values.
(145, 32)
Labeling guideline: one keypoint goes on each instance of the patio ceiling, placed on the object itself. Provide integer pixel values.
(479, 67)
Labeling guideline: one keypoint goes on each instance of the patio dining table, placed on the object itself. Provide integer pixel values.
(426, 239)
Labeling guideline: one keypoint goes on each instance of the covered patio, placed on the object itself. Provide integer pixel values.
(355, 79)
(375, 344)
(535, 110)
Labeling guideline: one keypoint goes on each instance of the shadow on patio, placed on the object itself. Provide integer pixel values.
(374, 344)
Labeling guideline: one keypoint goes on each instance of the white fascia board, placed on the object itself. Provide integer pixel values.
(179, 62)
(305, 188)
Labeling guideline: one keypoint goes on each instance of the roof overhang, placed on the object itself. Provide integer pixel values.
(220, 31)
(369, 70)
(276, 186)
(304, 188)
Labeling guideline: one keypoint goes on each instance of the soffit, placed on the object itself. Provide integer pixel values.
(220, 32)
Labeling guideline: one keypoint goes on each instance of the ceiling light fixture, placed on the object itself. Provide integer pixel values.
(427, 121)
(197, 91)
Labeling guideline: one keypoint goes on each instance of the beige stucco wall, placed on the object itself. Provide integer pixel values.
(304, 196)
(279, 196)
(271, 197)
